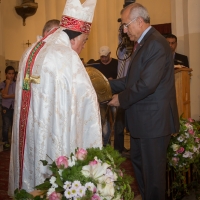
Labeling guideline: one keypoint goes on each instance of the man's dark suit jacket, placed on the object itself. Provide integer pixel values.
(147, 93)
(180, 59)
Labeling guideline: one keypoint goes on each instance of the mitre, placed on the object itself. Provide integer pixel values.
(78, 17)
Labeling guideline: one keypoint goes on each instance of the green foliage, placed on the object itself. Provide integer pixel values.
(61, 175)
(184, 152)
(22, 194)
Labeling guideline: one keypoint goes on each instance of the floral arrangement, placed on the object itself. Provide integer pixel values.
(184, 147)
(91, 174)
(184, 152)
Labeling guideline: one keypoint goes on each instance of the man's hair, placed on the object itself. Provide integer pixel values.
(138, 10)
(49, 25)
(171, 36)
(9, 68)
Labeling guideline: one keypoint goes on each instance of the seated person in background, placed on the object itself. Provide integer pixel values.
(90, 61)
(108, 65)
(179, 59)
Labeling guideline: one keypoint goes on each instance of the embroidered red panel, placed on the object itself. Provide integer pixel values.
(75, 24)
(25, 103)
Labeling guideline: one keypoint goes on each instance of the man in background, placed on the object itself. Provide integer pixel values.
(108, 67)
(119, 122)
(56, 107)
(49, 25)
(179, 59)
(7, 88)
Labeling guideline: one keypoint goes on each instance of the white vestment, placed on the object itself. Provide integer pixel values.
(63, 113)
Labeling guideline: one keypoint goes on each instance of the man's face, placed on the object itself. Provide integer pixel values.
(172, 44)
(78, 43)
(10, 75)
(105, 59)
(131, 26)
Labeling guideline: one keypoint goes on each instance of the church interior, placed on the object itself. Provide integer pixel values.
(180, 17)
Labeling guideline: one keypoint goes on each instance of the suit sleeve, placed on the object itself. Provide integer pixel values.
(117, 85)
(151, 67)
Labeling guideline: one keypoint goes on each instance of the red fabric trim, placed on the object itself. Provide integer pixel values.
(75, 24)
(26, 96)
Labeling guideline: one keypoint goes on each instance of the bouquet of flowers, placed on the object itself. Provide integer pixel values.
(184, 147)
(91, 174)
(184, 150)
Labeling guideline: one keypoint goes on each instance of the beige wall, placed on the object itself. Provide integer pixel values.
(105, 25)
(2, 58)
(104, 28)
(183, 14)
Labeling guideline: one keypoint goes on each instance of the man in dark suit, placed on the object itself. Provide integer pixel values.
(179, 59)
(148, 95)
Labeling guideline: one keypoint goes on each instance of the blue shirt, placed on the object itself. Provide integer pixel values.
(11, 90)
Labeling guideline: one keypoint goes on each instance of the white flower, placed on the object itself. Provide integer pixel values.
(74, 191)
(94, 171)
(68, 193)
(104, 179)
(51, 190)
(71, 161)
(180, 138)
(81, 191)
(60, 172)
(52, 180)
(90, 186)
(76, 184)
(98, 160)
(187, 135)
(107, 191)
(187, 154)
(195, 149)
(111, 175)
(175, 147)
(67, 185)
(54, 185)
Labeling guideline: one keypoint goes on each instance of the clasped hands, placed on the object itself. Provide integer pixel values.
(114, 101)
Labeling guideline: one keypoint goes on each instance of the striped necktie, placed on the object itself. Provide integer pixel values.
(121, 68)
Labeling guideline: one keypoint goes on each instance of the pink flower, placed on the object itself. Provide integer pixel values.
(55, 196)
(191, 132)
(175, 160)
(190, 120)
(94, 162)
(180, 150)
(95, 197)
(121, 173)
(61, 162)
(81, 154)
(197, 140)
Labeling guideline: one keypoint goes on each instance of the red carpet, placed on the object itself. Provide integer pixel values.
(4, 170)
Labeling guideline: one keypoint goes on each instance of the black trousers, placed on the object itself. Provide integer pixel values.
(7, 121)
(119, 127)
(149, 158)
